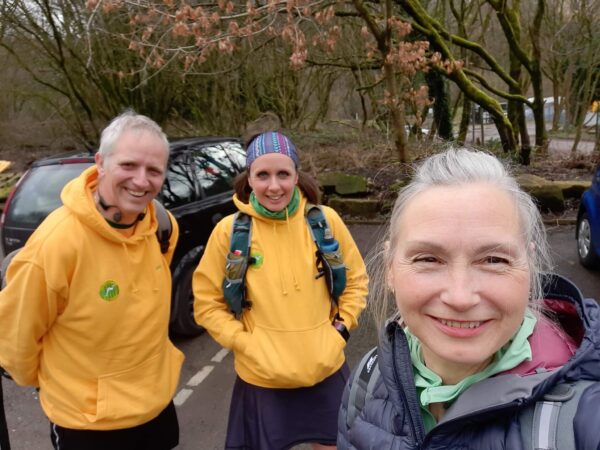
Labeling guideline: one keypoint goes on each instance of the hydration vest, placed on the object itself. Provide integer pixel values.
(330, 265)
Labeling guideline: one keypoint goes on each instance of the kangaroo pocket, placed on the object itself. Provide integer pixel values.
(291, 358)
(138, 394)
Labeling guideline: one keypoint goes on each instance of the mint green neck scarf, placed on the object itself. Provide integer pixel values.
(429, 385)
(277, 215)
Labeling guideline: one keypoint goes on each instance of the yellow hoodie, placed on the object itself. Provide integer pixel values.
(84, 316)
(285, 340)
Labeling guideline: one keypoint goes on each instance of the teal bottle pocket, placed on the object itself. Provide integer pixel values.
(233, 284)
(334, 271)
(235, 266)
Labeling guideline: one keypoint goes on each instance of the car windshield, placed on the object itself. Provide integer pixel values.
(216, 165)
(40, 194)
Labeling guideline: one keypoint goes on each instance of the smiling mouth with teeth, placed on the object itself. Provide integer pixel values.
(456, 324)
(137, 194)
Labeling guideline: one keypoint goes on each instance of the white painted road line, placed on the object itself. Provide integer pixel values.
(221, 354)
(182, 396)
(200, 376)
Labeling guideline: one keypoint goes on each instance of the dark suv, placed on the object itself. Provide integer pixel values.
(197, 191)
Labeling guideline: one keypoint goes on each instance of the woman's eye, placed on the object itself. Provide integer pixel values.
(425, 259)
(496, 260)
(283, 174)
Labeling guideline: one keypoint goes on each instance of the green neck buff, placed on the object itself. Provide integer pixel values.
(277, 215)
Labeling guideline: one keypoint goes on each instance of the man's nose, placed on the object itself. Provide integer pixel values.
(141, 177)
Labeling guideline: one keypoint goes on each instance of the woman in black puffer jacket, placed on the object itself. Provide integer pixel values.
(480, 335)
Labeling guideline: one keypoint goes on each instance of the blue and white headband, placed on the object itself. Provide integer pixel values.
(271, 142)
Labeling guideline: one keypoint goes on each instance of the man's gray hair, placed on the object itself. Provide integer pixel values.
(457, 166)
(128, 121)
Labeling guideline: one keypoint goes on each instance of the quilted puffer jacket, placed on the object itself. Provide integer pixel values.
(485, 416)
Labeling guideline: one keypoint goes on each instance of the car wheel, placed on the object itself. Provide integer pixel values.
(585, 248)
(184, 324)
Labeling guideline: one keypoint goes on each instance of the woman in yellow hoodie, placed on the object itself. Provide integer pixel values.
(289, 345)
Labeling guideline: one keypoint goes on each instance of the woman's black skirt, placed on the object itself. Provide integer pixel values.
(276, 419)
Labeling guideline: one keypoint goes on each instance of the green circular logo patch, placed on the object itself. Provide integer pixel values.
(258, 259)
(109, 291)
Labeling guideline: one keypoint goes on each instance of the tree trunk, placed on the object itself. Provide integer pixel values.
(557, 106)
(535, 72)
(509, 18)
(396, 108)
(441, 106)
(503, 125)
(465, 119)
(541, 136)
(505, 132)
(525, 151)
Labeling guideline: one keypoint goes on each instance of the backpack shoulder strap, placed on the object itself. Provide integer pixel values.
(241, 233)
(165, 227)
(330, 264)
(318, 226)
(549, 424)
(363, 383)
(317, 223)
(236, 264)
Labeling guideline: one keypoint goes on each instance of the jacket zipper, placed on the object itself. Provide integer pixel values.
(404, 366)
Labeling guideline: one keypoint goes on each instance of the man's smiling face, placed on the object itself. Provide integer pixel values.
(131, 175)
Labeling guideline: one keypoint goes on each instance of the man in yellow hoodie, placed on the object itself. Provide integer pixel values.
(85, 312)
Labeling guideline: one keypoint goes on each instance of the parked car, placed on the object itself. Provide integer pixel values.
(197, 190)
(588, 225)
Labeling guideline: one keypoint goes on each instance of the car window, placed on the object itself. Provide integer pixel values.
(39, 194)
(179, 187)
(216, 165)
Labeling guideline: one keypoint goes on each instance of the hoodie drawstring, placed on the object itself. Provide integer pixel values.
(281, 280)
(287, 221)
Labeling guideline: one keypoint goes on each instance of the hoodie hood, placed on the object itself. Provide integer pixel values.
(77, 196)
